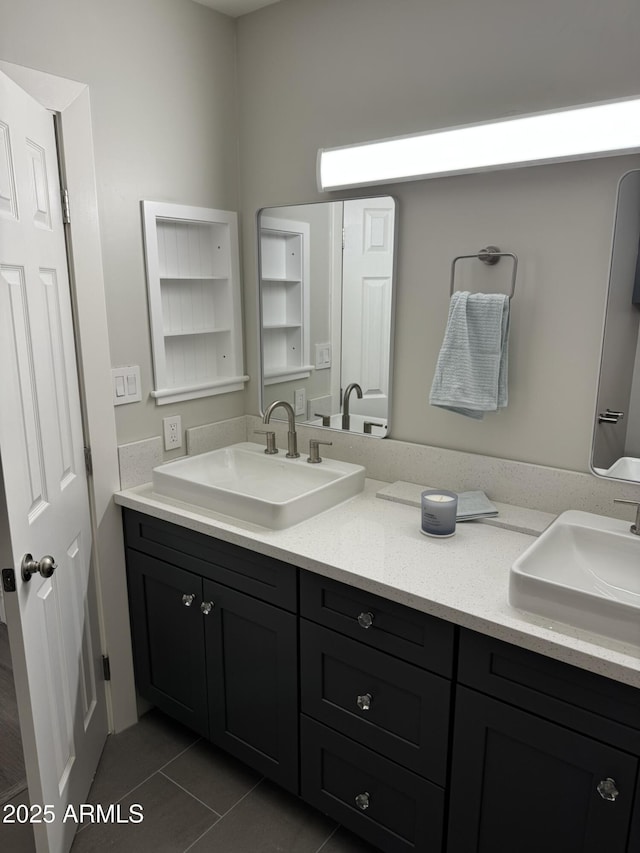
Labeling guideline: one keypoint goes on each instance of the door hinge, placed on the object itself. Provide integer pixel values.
(88, 461)
(8, 580)
(343, 239)
(66, 207)
(106, 668)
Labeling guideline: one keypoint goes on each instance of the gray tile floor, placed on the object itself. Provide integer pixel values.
(194, 798)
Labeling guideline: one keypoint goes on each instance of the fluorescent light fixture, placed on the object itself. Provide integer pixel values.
(574, 133)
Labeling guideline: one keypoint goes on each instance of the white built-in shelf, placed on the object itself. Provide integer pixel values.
(284, 295)
(194, 300)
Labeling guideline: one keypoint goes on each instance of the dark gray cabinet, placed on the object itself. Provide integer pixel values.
(375, 701)
(168, 639)
(222, 662)
(414, 734)
(554, 774)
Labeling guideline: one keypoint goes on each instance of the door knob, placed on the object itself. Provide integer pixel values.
(206, 607)
(188, 598)
(46, 566)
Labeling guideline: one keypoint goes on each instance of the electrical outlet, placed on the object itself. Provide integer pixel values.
(300, 401)
(172, 432)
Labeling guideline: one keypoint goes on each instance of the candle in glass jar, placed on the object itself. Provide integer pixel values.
(439, 508)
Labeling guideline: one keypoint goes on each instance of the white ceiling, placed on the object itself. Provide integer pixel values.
(235, 8)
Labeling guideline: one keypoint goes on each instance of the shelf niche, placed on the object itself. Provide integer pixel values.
(194, 301)
(284, 263)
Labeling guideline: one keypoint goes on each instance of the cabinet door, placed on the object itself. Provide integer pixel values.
(251, 650)
(522, 783)
(168, 639)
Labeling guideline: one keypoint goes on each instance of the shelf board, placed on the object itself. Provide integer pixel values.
(193, 277)
(272, 280)
(276, 326)
(184, 332)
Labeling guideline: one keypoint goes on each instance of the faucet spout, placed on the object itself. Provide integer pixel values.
(346, 417)
(292, 437)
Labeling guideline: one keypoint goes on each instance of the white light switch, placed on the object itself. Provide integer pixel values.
(126, 384)
(323, 356)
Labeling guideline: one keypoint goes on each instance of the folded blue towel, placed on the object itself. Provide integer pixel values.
(471, 371)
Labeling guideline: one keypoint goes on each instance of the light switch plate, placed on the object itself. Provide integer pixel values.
(323, 356)
(126, 384)
(300, 401)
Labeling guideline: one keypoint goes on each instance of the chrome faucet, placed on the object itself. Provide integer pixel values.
(635, 527)
(346, 417)
(292, 438)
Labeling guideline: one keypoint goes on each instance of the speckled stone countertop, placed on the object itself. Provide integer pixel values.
(377, 545)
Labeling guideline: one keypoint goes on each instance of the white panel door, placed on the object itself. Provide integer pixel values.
(366, 302)
(52, 620)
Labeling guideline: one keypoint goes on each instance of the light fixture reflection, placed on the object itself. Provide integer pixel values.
(575, 133)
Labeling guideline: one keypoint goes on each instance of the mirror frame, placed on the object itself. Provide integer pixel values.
(597, 472)
(392, 310)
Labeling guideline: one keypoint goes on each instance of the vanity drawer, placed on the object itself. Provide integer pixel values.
(581, 700)
(263, 577)
(408, 634)
(383, 803)
(396, 708)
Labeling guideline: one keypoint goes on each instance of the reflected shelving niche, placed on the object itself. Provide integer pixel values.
(284, 262)
(194, 301)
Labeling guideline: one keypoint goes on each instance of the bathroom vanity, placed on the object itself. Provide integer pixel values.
(384, 679)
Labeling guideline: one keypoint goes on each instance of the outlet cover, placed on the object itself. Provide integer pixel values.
(172, 432)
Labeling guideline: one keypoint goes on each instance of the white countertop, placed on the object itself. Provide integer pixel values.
(377, 545)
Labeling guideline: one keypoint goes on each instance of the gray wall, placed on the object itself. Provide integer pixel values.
(316, 74)
(162, 82)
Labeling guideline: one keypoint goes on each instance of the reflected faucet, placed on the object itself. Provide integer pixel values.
(346, 417)
(292, 438)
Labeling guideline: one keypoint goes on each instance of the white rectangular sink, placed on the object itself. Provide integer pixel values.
(271, 490)
(584, 570)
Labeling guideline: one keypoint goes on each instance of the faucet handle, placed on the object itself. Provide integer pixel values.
(367, 427)
(635, 528)
(326, 419)
(271, 440)
(314, 450)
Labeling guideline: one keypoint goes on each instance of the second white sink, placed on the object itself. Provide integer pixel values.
(244, 482)
(584, 570)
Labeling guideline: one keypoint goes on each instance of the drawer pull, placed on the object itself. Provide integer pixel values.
(364, 702)
(188, 599)
(362, 801)
(365, 620)
(607, 789)
(206, 607)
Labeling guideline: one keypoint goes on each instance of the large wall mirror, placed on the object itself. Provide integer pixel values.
(326, 281)
(616, 442)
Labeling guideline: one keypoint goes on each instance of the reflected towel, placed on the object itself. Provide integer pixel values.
(471, 372)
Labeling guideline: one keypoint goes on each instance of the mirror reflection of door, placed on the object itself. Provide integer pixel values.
(326, 301)
(616, 443)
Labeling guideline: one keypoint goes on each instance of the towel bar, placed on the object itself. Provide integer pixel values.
(490, 256)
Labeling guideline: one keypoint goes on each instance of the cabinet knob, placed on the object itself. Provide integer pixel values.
(607, 789)
(364, 702)
(365, 620)
(188, 599)
(207, 607)
(362, 800)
